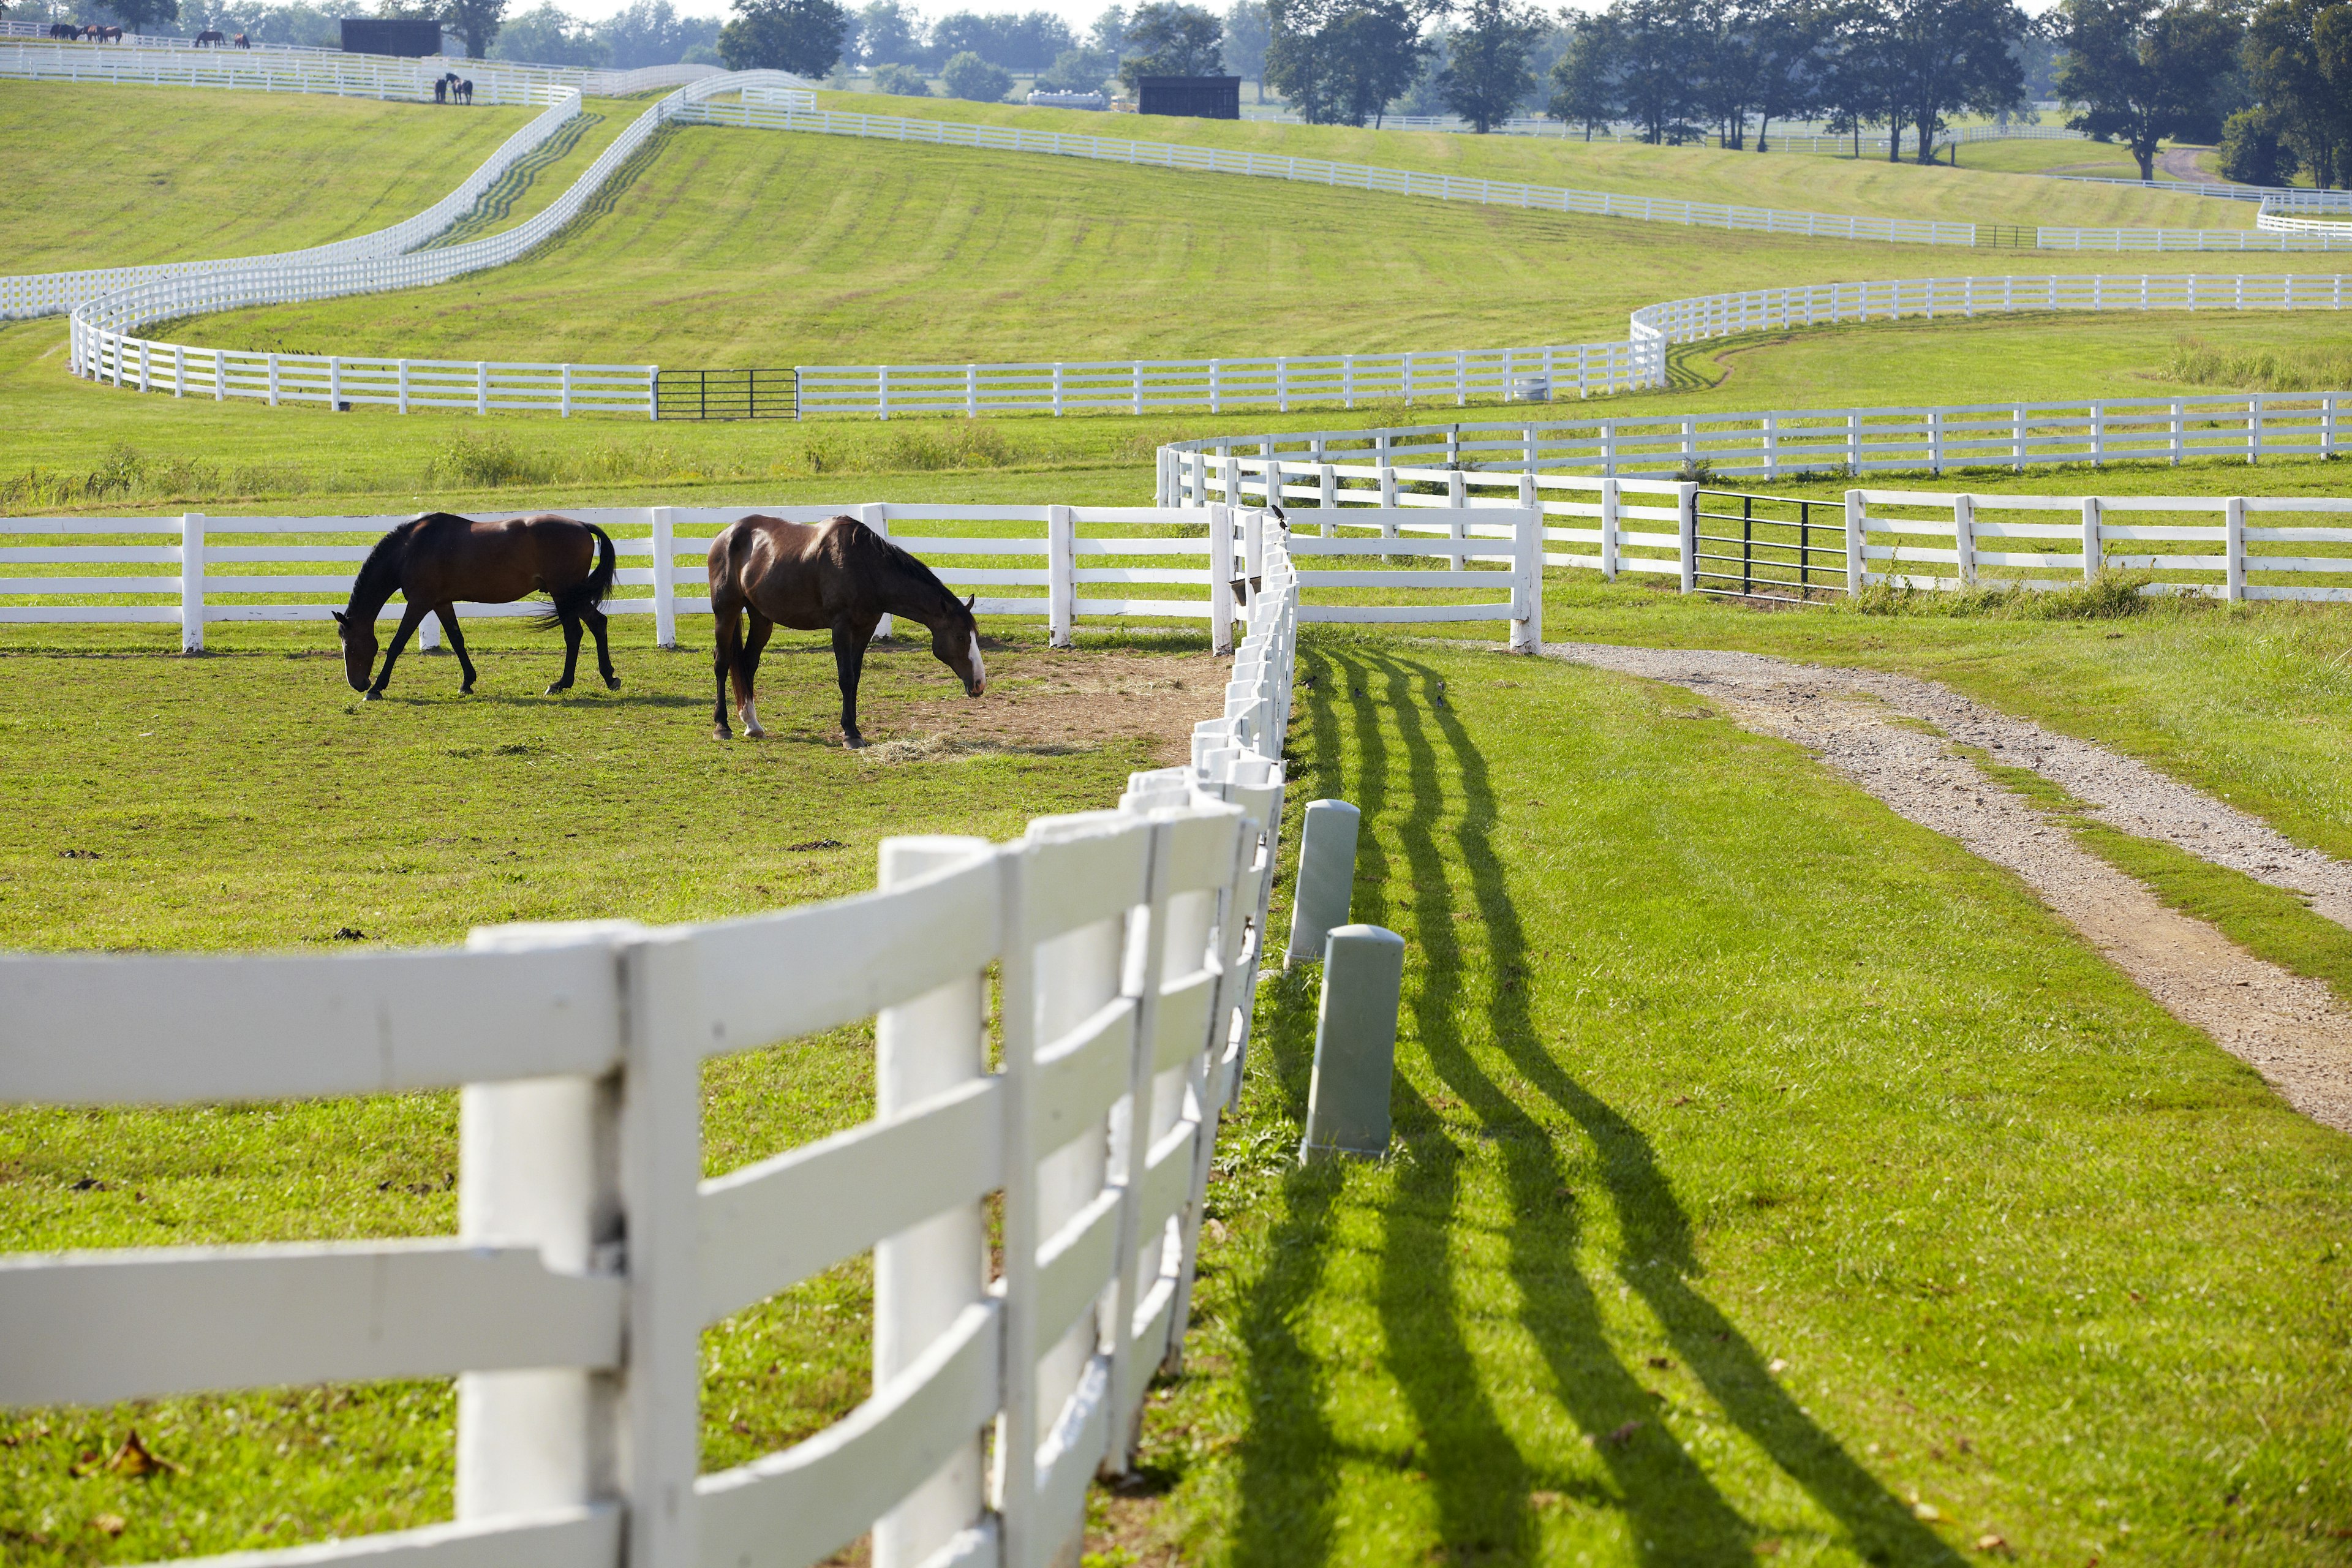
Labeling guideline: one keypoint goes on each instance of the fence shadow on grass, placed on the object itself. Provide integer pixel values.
(1677, 1513)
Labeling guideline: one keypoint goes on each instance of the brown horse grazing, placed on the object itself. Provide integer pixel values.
(441, 558)
(838, 575)
(211, 36)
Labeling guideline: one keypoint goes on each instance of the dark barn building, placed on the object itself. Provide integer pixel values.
(391, 36)
(1201, 97)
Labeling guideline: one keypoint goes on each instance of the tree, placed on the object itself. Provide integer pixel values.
(2252, 153)
(1790, 68)
(1945, 56)
(969, 78)
(1857, 66)
(1246, 37)
(2143, 70)
(1655, 86)
(1027, 43)
(900, 82)
(552, 37)
(1723, 55)
(1164, 38)
(475, 24)
(1079, 70)
(649, 32)
(889, 32)
(139, 14)
(803, 37)
(1487, 77)
(2298, 58)
(1341, 61)
(1584, 85)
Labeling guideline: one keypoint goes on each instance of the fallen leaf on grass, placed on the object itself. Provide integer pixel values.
(110, 1524)
(1662, 1364)
(90, 1184)
(807, 845)
(1545, 1499)
(1767, 1549)
(1926, 1510)
(1624, 1435)
(1988, 1542)
(1776, 1366)
(350, 933)
(134, 1459)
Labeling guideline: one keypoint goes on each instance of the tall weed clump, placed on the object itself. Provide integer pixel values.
(2109, 597)
(2314, 367)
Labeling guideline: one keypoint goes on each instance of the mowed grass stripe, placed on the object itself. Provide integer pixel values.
(108, 176)
(737, 246)
(1771, 1177)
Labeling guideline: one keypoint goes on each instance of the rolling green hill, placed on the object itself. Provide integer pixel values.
(736, 248)
(108, 176)
(1870, 187)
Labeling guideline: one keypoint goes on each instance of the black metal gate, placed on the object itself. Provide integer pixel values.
(1769, 547)
(726, 395)
(2007, 236)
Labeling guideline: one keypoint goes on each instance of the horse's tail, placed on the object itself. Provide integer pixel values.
(590, 591)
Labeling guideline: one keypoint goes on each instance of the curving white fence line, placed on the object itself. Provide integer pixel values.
(48, 293)
(591, 1256)
(282, 67)
(103, 345)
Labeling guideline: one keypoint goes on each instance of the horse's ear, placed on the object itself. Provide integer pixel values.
(339, 618)
(970, 600)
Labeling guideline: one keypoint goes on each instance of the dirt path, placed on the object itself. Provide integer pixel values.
(2184, 164)
(2287, 1027)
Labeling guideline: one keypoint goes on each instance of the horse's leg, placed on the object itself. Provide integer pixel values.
(447, 616)
(571, 654)
(727, 625)
(849, 640)
(747, 662)
(411, 618)
(595, 619)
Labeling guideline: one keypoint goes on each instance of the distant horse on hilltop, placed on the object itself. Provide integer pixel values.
(441, 558)
(211, 36)
(838, 575)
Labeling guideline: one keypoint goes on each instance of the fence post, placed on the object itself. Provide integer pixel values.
(191, 583)
(1232, 479)
(1457, 499)
(1609, 530)
(660, 1122)
(1330, 496)
(1527, 591)
(1856, 567)
(876, 516)
(1327, 877)
(1061, 576)
(180, 379)
(536, 1167)
(1964, 538)
(653, 393)
(925, 1277)
(1254, 544)
(665, 543)
(1686, 533)
(220, 377)
(273, 379)
(2234, 548)
(1221, 580)
(403, 386)
(2090, 550)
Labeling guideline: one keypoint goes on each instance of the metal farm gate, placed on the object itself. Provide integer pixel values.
(1764, 546)
(726, 395)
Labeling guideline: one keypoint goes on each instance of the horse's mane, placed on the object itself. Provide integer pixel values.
(944, 597)
(380, 573)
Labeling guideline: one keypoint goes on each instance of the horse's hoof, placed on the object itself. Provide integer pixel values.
(556, 689)
(855, 742)
(720, 732)
(612, 683)
(466, 689)
(374, 697)
(753, 732)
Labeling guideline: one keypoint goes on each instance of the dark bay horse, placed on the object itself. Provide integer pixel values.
(440, 558)
(212, 36)
(839, 577)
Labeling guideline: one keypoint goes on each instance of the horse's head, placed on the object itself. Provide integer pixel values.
(955, 642)
(358, 633)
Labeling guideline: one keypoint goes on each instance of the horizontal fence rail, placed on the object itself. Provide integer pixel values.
(593, 1253)
(152, 60)
(1054, 563)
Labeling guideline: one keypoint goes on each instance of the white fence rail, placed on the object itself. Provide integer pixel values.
(591, 1257)
(1054, 564)
(102, 344)
(2234, 548)
(163, 60)
(47, 293)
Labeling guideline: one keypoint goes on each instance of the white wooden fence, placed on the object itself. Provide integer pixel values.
(48, 293)
(591, 1256)
(1853, 441)
(154, 60)
(2233, 547)
(1106, 562)
(102, 344)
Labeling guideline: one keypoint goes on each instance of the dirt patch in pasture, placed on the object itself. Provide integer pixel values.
(1892, 735)
(1039, 700)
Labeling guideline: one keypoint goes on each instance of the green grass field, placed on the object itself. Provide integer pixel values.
(110, 176)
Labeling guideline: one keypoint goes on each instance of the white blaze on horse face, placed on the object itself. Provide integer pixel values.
(978, 671)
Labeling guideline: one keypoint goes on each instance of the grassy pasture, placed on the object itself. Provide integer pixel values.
(1917, 1203)
(1865, 186)
(108, 176)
